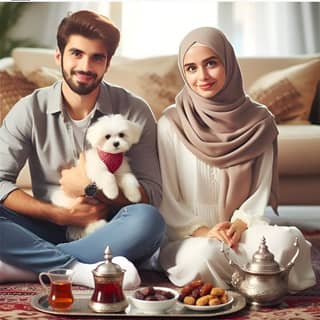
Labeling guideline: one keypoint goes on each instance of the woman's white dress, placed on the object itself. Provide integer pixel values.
(190, 197)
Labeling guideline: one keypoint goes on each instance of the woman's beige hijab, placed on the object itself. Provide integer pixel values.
(228, 131)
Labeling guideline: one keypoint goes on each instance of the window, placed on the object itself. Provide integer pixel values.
(152, 28)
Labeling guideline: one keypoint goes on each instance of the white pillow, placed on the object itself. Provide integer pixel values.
(30, 59)
(6, 63)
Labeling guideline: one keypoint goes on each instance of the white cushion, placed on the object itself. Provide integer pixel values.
(6, 63)
(30, 59)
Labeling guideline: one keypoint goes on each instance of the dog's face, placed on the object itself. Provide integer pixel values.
(114, 133)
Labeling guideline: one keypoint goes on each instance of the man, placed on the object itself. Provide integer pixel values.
(48, 128)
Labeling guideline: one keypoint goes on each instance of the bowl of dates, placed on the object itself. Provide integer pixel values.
(154, 299)
(204, 296)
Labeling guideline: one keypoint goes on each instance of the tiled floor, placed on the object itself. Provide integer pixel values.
(303, 217)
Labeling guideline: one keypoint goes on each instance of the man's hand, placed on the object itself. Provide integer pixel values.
(74, 180)
(84, 211)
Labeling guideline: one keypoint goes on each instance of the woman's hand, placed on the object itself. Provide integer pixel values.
(74, 180)
(234, 232)
(227, 232)
(220, 232)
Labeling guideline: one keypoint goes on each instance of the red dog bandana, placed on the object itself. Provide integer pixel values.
(111, 160)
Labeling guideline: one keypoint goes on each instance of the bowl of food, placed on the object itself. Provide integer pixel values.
(153, 299)
(203, 296)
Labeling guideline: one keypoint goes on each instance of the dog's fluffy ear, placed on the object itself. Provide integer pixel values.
(94, 133)
(135, 131)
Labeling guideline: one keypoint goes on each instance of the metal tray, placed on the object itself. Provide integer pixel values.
(81, 300)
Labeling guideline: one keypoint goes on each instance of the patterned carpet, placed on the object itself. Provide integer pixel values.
(15, 299)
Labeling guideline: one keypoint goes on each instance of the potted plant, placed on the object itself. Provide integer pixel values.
(10, 13)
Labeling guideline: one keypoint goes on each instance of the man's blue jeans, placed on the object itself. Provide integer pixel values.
(135, 232)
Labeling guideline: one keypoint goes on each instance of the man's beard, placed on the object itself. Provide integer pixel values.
(79, 87)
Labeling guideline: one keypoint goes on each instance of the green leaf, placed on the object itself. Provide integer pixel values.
(10, 13)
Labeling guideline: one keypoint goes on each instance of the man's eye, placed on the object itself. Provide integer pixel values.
(108, 136)
(99, 58)
(76, 53)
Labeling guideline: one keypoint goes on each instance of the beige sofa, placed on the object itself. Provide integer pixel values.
(286, 84)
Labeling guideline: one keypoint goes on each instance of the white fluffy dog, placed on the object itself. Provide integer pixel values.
(110, 137)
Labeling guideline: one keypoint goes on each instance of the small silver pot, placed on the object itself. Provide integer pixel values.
(108, 295)
(263, 281)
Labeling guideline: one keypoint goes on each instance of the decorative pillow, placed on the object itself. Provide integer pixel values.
(288, 93)
(315, 108)
(12, 88)
(157, 80)
(44, 77)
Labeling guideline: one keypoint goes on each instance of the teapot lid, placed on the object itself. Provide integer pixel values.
(108, 268)
(263, 260)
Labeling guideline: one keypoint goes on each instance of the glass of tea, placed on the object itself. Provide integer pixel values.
(59, 289)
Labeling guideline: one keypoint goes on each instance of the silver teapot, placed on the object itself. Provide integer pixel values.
(263, 281)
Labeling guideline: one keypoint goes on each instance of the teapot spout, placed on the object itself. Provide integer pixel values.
(290, 264)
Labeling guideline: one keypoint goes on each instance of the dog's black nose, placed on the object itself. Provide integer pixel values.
(116, 144)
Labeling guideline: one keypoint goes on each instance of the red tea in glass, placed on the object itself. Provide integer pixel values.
(60, 293)
(60, 297)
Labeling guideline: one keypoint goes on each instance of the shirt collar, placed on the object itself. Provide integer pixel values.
(55, 100)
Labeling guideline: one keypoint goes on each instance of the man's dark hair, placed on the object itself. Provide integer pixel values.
(92, 25)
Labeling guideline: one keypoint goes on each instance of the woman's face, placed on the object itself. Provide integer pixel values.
(204, 71)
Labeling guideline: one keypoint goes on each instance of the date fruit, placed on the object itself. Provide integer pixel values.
(153, 294)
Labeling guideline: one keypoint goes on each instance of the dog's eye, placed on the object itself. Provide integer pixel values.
(121, 134)
(108, 136)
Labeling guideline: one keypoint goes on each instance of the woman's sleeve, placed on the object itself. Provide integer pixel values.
(252, 210)
(180, 219)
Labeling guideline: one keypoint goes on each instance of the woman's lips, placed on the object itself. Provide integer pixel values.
(206, 86)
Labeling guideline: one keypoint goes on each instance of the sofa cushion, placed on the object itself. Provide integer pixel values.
(289, 92)
(299, 147)
(157, 80)
(28, 60)
(13, 87)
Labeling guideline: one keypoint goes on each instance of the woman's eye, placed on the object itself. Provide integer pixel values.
(108, 136)
(212, 63)
(191, 69)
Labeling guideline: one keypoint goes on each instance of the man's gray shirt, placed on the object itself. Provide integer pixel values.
(37, 129)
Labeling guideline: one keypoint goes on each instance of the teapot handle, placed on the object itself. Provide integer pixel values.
(293, 259)
(227, 256)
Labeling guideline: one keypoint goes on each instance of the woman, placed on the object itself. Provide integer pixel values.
(218, 154)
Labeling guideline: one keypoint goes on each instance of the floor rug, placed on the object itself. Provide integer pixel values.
(15, 299)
